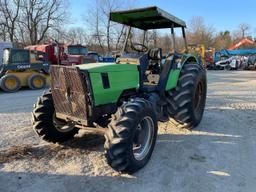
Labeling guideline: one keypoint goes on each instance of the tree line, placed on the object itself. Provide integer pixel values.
(29, 22)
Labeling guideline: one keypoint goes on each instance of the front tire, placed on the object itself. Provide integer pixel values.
(186, 103)
(45, 123)
(131, 136)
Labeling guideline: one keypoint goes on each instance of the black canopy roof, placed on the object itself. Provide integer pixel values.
(147, 18)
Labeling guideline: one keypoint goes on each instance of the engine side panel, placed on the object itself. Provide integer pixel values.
(107, 87)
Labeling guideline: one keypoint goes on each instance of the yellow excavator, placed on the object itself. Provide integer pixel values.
(22, 68)
(205, 55)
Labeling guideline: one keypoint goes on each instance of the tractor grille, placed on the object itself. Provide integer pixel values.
(69, 93)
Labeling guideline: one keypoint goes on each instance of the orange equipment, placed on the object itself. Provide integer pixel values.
(240, 43)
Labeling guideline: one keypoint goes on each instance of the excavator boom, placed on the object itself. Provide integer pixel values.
(240, 43)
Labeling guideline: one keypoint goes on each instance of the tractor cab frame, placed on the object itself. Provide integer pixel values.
(157, 73)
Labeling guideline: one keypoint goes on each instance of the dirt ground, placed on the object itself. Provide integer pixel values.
(219, 155)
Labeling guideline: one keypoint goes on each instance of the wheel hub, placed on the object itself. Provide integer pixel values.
(143, 138)
(38, 82)
(11, 83)
(62, 125)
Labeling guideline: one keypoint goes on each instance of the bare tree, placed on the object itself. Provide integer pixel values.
(77, 35)
(199, 33)
(9, 13)
(3, 32)
(107, 6)
(94, 27)
(119, 36)
(40, 16)
(243, 29)
(107, 34)
(223, 40)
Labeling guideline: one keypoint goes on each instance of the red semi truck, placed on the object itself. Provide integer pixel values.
(54, 51)
(64, 54)
(78, 54)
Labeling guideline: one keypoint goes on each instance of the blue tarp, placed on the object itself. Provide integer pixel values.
(107, 60)
(230, 53)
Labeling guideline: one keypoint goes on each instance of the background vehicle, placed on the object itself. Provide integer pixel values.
(129, 96)
(229, 63)
(94, 55)
(55, 51)
(251, 62)
(78, 54)
(64, 54)
(243, 41)
(223, 58)
(23, 67)
(77, 50)
(205, 55)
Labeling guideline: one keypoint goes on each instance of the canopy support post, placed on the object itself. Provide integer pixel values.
(173, 38)
(126, 39)
(185, 39)
(144, 36)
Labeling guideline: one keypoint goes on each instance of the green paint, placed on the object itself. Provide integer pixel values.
(121, 77)
(126, 17)
(189, 58)
(173, 79)
(175, 73)
(107, 67)
(147, 18)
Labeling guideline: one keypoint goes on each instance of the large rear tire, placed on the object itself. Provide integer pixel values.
(10, 83)
(45, 123)
(131, 136)
(186, 103)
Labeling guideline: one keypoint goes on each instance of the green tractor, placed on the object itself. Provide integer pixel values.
(125, 99)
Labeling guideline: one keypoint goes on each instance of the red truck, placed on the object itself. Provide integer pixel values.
(78, 54)
(64, 54)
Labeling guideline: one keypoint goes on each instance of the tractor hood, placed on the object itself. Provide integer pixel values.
(107, 67)
(110, 80)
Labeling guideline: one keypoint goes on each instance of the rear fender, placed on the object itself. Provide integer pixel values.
(175, 71)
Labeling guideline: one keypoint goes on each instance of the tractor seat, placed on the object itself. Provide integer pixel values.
(155, 54)
(154, 64)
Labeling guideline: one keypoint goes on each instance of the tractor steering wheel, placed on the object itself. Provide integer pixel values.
(143, 48)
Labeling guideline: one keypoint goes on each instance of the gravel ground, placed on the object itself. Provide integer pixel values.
(219, 155)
